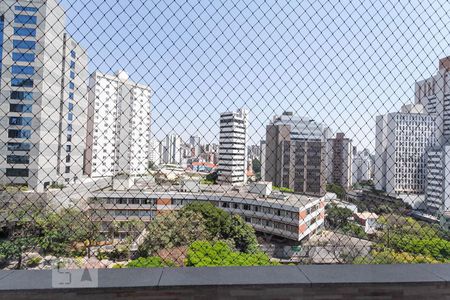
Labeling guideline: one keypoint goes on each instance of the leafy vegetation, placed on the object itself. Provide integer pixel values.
(148, 262)
(282, 189)
(221, 225)
(337, 189)
(337, 217)
(211, 254)
(173, 229)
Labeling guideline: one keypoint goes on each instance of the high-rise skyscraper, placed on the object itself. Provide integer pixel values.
(43, 95)
(233, 147)
(195, 143)
(295, 154)
(118, 126)
(172, 151)
(402, 139)
(362, 166)
(340, 161)
(154, 154)
(434, 94)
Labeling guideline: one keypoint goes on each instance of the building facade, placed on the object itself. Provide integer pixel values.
(154, 155)
(434, 94)
(118, 126)
(362, 166)
(295, 217)
(402, 140)
(233, 147)
(43, 96)
(340, 161)
(295, 153)
(171, 149)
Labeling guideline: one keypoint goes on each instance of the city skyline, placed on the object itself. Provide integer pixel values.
(165, 58)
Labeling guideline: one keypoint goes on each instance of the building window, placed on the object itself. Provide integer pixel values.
(22, 108)
(70, 106)
(18, 159)
(19, 146)
(70, 116)
(68, 148)
(67, 158)
(27, 45)
(72, 75)
(25, 19)
(72, 65)
(22, 31)
(17, 172)
(22, 82)
(73, 54)
(19, 134)
(71, 85)
(18, 95)
(67, 170)
(23, 121)
(23, 57)
(26, 8)
(24, 70)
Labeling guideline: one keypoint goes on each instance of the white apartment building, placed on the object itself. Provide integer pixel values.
(43, 95)
(233, 147)
(171, 149)
(437, 195)
(434, 94)
(402, 139)
(154, 154)
(118, 126)
(362, 166)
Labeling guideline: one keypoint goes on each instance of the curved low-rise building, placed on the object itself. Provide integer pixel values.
(289, 215)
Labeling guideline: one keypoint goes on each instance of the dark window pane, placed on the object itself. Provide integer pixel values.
(22, 31)
(24, 121)
(19, 134)
(17, 159)
(25, 70)
(25, 19)
(22, 82)
(19, 95)
(17, 172)
(19, 44)
(19, 146)
(24, 57)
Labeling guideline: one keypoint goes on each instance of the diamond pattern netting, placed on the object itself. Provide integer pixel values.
(142, 134)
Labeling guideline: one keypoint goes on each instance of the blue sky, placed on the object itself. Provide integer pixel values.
(337, 63)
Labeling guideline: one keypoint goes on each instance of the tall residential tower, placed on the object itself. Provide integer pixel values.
(118, 126)
(43, 95)
(233, 147)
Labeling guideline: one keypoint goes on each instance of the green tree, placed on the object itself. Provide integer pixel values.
(221, 225)
(337, 217)
(13, 249)
(337, 189)
(60, 231)
(173, 229)
(256, 166)
(211, 254)
(212, 177)
(149, 262)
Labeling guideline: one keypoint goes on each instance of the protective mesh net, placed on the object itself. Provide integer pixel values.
(199, 133)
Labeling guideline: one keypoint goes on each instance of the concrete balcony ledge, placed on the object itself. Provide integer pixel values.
(308, 281)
